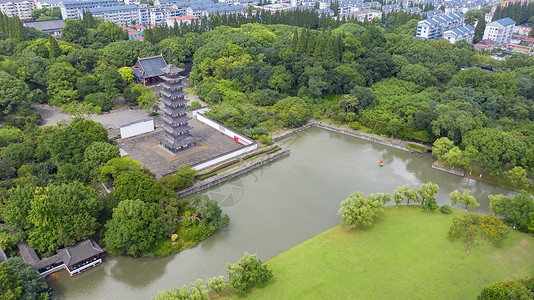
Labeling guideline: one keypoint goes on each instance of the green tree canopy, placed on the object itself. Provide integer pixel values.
(62, 215)
(134, 228)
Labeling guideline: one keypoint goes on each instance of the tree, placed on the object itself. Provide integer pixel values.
(464, 198)
(519, 209)
(441, 146)
(479, 29)
(210, 212)
(17, 206)
(74, 32)
(97, 154)
(218, 284)
(248, 272)
(493, 229)
(102, 100)
(137, 184)
(427, 192)
(53, 48)
(10, 283)
(31, 279)
(358, 210)
(184, 177)
(292, 111)
(15, 94)
(517, 177)
(134, 228)
(62, 215)
(116, 166)
(126, 74)
(398, 196)
(363, 98)
(417, 74)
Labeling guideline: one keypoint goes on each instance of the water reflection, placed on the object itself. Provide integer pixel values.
(273, 209)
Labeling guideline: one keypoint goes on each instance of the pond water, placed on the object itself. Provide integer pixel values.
(272, 209)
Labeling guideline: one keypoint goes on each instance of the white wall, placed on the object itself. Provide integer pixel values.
(137, 128)
(243, 140)
(227, 156)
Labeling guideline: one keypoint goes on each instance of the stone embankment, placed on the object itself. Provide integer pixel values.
(459, 173)
(201, 185)
(397, 144)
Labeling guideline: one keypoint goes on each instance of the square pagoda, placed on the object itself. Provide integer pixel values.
(176, 137)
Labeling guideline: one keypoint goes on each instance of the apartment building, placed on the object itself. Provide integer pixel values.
(121, 15)
(433, 28)
(72, 9)
(21, 8)
(454, 35)
(499, 31)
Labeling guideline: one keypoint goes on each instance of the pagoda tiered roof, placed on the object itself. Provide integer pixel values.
(172, 69)
(175, 130)
(173, 102)
(172, 86)
(177, 142)
(173, 94)
(172, 78)
(174, 112)
(178, 120)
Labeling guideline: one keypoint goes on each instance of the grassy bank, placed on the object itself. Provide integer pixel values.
(405, 255)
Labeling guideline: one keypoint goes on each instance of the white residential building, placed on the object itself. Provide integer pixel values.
(454, 35)
(499, 31)
(72, 9)
(121, 15)
(47, 3)
(364, 15)
(21, 8)
(433, 28)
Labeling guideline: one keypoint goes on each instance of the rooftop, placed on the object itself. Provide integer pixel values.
(112, 8)
(504, 22)
(150, 66)
(46, 25)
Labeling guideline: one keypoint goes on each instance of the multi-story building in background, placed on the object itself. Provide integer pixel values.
(499, 31)
(20, 8)
(72, 9)
(454, 35)
(433, 28)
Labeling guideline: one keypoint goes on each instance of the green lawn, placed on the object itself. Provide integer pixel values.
(405, 255)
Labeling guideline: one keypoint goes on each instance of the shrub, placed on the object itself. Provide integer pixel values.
(265, 139)
(446, 209)
(195, 105)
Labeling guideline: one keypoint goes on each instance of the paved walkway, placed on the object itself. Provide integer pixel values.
(53, 114)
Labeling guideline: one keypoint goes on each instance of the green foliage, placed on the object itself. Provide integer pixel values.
(218, 284)
(519, 209)
(116, 166)
(360, 210)
(62, 215)
(292, 111)
(195, 105)
(102, 100)
(210, 212)
(427, 191)
(8, 240)
(522, 288)
(464, 198)
(134, 228)
(247, 273)
(183, 178)
(446, 209)
(137, 184)
(10, 283)
(15, 94)
(32, 281)
(97, 154)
